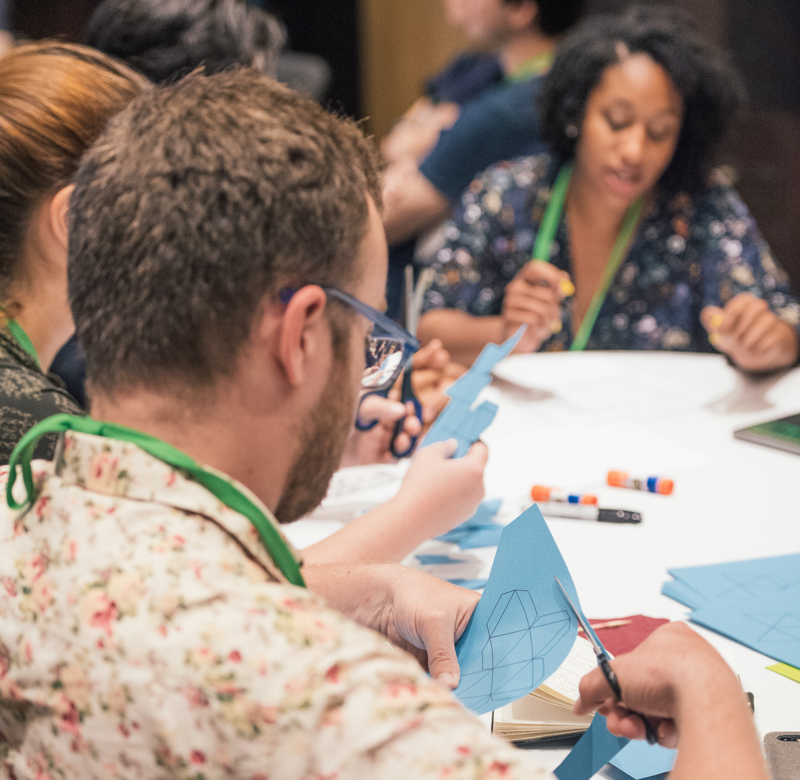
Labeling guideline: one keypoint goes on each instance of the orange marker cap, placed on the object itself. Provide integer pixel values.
(665, 486)
(617, 478)
(540, 492)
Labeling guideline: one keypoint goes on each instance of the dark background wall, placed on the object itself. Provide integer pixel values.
(762, 35)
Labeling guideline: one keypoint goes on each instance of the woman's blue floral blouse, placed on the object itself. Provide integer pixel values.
(689, 252)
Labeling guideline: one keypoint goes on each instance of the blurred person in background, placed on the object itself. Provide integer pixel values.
(622, 237)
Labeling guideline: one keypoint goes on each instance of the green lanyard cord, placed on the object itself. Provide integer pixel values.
(219, 486)
(23, 340)
(547, 233)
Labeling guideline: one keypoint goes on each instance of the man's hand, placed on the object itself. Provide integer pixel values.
(415, 611)
(533, 297)
(748, 332)
(691, 698)
(427, 616)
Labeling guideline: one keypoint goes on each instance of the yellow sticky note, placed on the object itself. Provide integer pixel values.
(787, 671)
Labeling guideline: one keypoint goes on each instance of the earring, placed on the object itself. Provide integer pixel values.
(571, 131)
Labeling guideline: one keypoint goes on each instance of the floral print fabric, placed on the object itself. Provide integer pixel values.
(689, 252)
(145, 633)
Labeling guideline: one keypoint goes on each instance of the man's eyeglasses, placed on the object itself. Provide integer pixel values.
(388, 347)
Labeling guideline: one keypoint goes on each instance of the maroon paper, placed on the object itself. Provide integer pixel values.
(623, 639)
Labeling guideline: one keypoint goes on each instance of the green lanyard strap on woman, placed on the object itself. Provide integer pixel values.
(216, 484)
(23, 339)
(547, 233)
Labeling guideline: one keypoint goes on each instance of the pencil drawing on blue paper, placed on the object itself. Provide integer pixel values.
(513, 656)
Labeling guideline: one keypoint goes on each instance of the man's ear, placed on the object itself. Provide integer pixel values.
(305, 337)
(59, 210)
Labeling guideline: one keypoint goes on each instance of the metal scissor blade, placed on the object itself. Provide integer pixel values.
(598, 649)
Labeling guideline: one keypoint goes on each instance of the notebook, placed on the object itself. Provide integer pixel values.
(783, 434)
(547, 713)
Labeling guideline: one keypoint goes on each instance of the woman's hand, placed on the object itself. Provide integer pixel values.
(372, 446)
(433, 373)
(439, 491)
(750, 334)
(533, 297)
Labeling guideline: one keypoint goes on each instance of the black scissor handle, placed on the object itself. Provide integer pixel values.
(613, 683)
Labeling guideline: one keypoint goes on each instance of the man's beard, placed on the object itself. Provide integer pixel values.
(322, 440)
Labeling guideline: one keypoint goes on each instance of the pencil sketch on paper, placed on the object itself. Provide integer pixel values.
(752, 586)
(780, 626)
(512, 660)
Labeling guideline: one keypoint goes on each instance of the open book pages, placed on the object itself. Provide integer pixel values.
(547, 711)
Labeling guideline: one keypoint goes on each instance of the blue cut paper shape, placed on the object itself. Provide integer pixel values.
(591, 753)
(464, 535)
(522, 629)
(435, 560)
(642, 761)
(482, 537)
(768, 625)
(459, 420)
(471, 584)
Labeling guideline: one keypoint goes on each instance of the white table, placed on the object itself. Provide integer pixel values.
(669, 414)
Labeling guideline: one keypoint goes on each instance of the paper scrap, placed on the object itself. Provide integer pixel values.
(591, 753)
(641, 761)
(477, 584)
(435, 560)
(479, 530)
(460, 419)
(522, 629)
(792, 672)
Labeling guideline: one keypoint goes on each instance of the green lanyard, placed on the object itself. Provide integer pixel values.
(535, 66)
(544, 242)
(23, 340)
(219, 486)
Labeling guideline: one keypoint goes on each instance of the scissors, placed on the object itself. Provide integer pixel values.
(412, 306)
(605, 665)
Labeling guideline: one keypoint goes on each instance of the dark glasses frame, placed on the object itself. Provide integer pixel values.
(393, 332)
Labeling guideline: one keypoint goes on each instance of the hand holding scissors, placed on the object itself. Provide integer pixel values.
(413, 303)
(605, 664)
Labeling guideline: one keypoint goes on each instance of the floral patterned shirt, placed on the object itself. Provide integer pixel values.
(146, 633)
(689, 252)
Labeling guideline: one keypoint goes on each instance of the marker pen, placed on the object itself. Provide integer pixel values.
(542, 493)
(648, 484)
(589, 512)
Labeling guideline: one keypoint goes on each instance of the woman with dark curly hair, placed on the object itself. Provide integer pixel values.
(623, 237)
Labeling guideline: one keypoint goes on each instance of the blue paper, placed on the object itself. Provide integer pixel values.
(768, 625)
(592, 751)
(482, 537)
(477, 584)
(470, 534)
(459, 420)
(682, 593)
(755, 602)
(739, 581)
(641, 761)
(483, 514)
(522, 629)
(435, 560)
